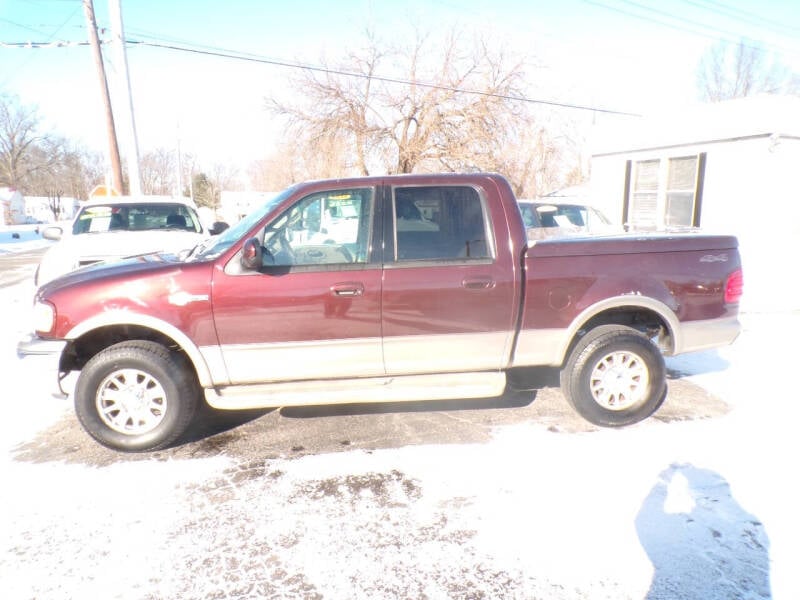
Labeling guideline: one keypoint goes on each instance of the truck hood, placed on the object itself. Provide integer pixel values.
(128, 267)
(76, 251)
(118, 244)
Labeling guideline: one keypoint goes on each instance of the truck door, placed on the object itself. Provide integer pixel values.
(313, 310)
(448, 294)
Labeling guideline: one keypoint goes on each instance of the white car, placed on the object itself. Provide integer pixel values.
(553, 219)
(115, 228)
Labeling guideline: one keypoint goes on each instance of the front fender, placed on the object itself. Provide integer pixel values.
(125, 317)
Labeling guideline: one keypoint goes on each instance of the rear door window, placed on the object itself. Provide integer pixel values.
(434, 223)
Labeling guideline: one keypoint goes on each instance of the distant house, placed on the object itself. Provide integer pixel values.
(236, 205)
(12, 206)
(39, 209)
(726, 167)
(16, 209)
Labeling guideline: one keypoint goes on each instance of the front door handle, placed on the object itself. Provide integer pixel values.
(478, 283)
(350, 288)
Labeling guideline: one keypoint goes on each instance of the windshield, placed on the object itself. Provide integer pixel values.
(217, 245)
(136, 217)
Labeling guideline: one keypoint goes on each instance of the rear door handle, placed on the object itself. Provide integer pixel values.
(350, 288)
(478, 283)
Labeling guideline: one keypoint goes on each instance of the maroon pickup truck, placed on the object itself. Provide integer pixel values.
(382, 289)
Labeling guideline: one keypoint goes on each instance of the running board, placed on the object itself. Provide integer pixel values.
(406, 388)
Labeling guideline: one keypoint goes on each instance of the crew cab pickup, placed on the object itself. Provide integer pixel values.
(411, 287)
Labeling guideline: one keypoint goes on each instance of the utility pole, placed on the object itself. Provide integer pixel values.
(134, 176)
(113, 147)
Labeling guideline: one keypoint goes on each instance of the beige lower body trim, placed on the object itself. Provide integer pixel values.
(541, 347)
(548, 347)
(290, 361)
(348, 391)
(446, 353)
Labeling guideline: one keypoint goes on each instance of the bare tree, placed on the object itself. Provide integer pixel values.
(157, 169)
(22, 147)
(73, 171)
(276, 171)
(729, 71)
(54, 203)
(440, 110)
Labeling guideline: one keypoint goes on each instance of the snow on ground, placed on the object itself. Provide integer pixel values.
(20, 238)
(698, 509)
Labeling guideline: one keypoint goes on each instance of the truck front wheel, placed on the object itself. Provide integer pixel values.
(615, 376)
(135, 396)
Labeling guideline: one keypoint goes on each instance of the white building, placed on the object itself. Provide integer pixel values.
(38, 209)
(236, 205)
(12, 206)
(730, 167)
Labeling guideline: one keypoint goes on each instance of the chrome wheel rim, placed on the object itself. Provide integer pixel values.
(131, 401)
(619, 380)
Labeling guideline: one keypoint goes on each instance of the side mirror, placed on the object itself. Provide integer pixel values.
(252, 255)
(52, 233)
(218, 227)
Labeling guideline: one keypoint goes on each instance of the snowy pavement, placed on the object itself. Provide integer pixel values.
(695, 509)
(20, 238)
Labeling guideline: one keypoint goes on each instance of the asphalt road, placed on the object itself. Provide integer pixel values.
(250, 437)
(16, 267)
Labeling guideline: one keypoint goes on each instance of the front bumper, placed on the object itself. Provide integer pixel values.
(46, 355)
(32, 345)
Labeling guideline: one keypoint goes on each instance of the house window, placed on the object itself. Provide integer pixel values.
(665, 192)
(643, 203)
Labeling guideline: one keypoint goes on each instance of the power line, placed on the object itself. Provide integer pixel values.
(231, 54)
(743, 16)
(21, 26)
(220, 53)
(59, 44)
(681, 19)
(9, 76)
(680, 24)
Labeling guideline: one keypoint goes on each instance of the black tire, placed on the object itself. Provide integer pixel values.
(159, 386)
(615, 376)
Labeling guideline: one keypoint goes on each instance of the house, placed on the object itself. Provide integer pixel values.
(40, 208)
(12, 206)
(730, 167)
(236, 205)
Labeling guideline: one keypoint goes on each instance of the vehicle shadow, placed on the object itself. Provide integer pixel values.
(263, 434)
(695, 363)
(209, 422)
(701, 542)
(510, 399)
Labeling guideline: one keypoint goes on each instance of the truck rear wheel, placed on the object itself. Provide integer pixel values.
(135, 396)
(615, 376)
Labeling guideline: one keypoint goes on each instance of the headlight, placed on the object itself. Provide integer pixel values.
(44, 317)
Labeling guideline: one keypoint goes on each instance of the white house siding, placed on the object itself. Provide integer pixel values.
(13, 206)
(751, 189)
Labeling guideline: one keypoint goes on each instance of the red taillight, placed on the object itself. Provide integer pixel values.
(733, 287)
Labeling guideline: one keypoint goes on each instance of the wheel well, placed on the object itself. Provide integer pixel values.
(82, 349)
(649, 322)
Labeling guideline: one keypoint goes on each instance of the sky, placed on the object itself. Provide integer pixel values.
(623, 55)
